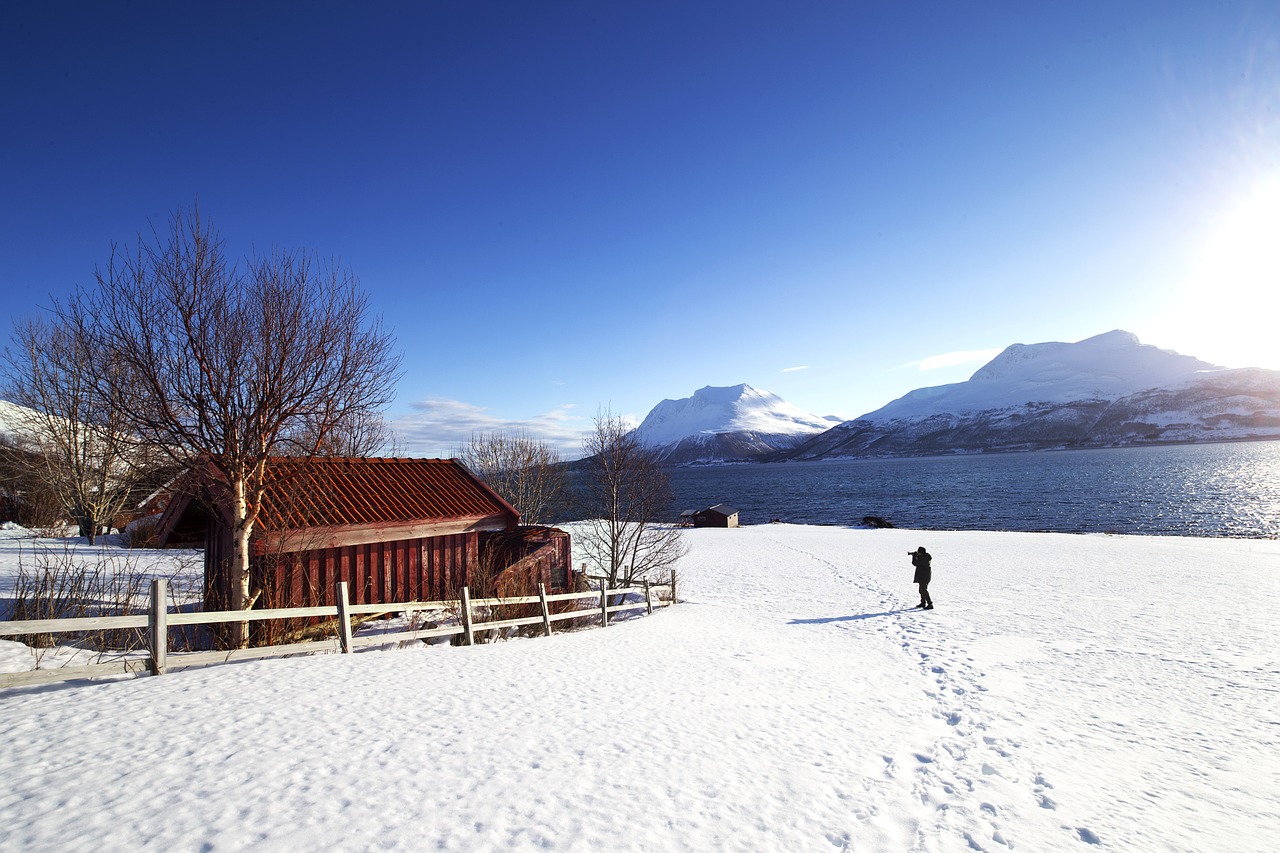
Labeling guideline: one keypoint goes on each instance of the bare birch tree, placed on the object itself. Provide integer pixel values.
(368, 434)
(525, 471)
(227, 366)
(627, 499)
(77, 446)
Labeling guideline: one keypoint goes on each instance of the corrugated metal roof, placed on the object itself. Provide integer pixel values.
(341, 491)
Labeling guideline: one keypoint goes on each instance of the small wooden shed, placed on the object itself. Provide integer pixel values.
(393, 529)
(528, 556)
(720, 515)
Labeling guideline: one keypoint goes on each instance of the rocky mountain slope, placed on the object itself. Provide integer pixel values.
(726, 425)
(1105, 391)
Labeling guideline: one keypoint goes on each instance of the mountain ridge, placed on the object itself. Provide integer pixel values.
(726, 424)
(1106, 391)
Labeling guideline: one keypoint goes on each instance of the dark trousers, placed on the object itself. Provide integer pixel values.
(924, 594)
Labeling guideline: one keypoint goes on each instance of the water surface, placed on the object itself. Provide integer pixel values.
(1184, 490)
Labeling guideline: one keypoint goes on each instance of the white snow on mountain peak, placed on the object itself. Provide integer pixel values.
(718, 410)
(1106, 366)
(1117, 356)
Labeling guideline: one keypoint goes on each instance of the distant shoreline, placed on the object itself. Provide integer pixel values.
(984, 452)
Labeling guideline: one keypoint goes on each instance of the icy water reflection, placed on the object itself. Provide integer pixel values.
(1187, 490)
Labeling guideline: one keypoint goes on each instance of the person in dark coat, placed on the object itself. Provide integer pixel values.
(924, 573)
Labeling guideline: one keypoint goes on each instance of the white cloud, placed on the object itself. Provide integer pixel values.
(794, 369)
(952, 359)
(438, 427)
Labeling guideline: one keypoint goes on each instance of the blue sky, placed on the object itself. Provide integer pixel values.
(562, 207)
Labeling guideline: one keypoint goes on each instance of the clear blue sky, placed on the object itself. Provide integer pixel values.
(564, 206)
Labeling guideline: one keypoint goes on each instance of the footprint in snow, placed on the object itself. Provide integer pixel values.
(841, 841)
(1088, 836)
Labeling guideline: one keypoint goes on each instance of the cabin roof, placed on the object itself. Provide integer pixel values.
(344, 491)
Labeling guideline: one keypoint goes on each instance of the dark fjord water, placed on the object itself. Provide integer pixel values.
(1185, 490)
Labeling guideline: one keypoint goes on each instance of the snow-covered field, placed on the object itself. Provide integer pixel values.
(21, 549)
(1068, 693)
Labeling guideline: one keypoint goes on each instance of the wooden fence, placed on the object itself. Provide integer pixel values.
(158, 620)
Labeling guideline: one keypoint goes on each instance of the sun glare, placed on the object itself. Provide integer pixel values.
(1230, 307)
(1243, 251)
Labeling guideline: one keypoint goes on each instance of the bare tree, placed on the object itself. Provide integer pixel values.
(24, 496)
(525, 471)
(226, 367)
(367, 434)
(627, 498)
(77, 446)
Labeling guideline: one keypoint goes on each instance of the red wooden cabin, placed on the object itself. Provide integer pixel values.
(393, 529)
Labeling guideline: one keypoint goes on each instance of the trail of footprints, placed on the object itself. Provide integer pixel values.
(970, 775)
(945, 778)
(966, 804)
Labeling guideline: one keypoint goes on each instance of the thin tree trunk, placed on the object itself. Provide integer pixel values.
(88, 527)
(239, 581)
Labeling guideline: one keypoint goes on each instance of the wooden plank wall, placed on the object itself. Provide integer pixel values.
(429, 569)
(217, 568)
(538, 566)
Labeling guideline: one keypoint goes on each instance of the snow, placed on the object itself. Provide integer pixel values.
(738, 408)
(13, 418)
(1069, 692)
(1104, 367)
(22, 549)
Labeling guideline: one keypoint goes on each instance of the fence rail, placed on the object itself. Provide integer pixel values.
(156, 660)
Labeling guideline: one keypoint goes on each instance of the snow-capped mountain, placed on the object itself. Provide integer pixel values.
(14, 419)
(1106, 391)
(727, 424)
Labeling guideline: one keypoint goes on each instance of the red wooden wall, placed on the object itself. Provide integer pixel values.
(430, 569)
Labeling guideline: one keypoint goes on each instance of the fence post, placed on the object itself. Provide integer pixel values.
(158, 626)
(344, 618)
(546, 612)
(648, 602)
(467, 633)
(604, 605)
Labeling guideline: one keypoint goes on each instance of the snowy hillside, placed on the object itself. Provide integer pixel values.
(725, 424)
(12, 417)
(1104, 367)
(1105, 391)
(1068, 693)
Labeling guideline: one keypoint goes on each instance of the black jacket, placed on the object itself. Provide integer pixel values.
(924, 571)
